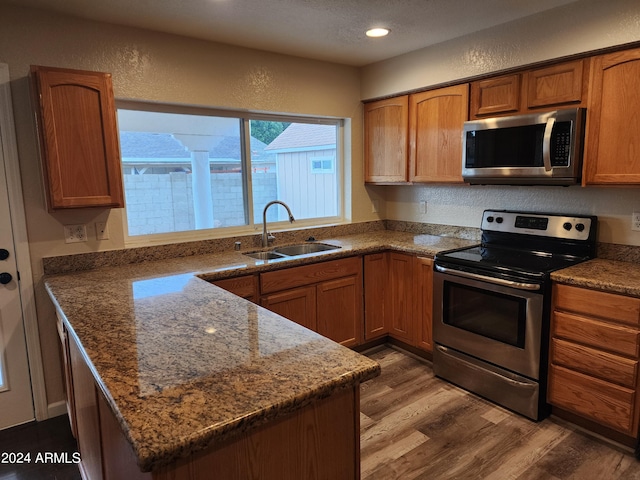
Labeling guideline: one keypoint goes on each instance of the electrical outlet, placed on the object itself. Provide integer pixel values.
(75, 233)
(423, 207)
(375, 205)
(102, 232)
(635, 221)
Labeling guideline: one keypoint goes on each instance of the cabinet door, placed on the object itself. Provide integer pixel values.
(561, 84)
(400, 315)
(613, 133)
(87, 416)
(340, 310)
(423, 300)
(436, 119)
(385, 140)
(495, 96)
(297, 304)
(376, 279)
(68, 379)
(79, 139)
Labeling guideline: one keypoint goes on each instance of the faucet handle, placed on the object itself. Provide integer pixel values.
(270, 237)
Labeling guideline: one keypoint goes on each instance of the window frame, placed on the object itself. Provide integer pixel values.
(253, 226)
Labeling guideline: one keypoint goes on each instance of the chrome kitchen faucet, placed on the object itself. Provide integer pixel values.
(266, 236)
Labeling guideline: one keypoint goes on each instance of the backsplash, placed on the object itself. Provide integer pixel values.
(113, 258)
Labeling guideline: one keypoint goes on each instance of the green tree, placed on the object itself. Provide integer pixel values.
(266, 131)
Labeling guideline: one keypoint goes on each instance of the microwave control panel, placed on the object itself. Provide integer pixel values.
(561, 144)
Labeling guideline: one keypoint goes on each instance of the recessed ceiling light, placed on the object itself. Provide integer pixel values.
(377, 32)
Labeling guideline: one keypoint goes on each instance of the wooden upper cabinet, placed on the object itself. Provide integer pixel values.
(495, 96)
(385, 140)
(613, 127)
(562, 85)
(78, 135)
(436, 118)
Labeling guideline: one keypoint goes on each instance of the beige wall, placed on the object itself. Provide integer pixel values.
(164, 68)
(582, 26)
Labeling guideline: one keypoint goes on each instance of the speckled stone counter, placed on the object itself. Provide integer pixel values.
(601, 274)
(184, 364)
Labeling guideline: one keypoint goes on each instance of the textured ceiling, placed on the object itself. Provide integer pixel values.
(331, 30)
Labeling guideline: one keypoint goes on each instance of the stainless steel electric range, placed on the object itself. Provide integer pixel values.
(492, 305)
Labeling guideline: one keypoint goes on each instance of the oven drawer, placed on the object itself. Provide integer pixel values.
(596, 363)
(617, 308)
(608, 404)
(592, 332)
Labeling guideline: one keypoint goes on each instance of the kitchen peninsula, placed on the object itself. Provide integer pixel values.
(185, 376)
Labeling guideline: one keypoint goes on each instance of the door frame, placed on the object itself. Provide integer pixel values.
(23, 259)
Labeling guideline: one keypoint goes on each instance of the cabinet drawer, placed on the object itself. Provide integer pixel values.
(596, 363)
(598, 304)
(608, 336)
(245, 286)
(603, 402)
(309, 274)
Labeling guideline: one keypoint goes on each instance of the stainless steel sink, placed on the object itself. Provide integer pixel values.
(264, 255)
(304, 248)
(292, 251)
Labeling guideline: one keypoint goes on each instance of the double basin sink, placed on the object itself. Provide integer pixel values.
(292, 251)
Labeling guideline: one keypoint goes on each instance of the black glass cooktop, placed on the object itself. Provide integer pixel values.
(508, 260)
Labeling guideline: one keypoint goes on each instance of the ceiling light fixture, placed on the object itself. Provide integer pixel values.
(377, 32)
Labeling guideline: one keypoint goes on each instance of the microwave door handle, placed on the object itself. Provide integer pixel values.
(546, 144)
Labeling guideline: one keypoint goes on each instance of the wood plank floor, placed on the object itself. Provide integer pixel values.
(416, 426)
(413, 426)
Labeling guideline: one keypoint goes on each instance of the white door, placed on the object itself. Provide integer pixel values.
(16, 400)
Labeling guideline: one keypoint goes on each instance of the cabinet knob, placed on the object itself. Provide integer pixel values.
(5, 278)
(4, 253)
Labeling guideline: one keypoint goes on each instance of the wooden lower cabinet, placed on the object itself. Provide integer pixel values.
(325, 297)
(297, 304)
(423, 302)
(321, 439)
(376, 279)
(594, 357)
(85, 400)
(401, 312)
(68, 380)
(399, 298)
(339, 310)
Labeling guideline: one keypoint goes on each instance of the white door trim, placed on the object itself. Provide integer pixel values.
(23, 258)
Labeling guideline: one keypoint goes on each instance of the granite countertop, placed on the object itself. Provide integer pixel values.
(608, 275)
(184, 364)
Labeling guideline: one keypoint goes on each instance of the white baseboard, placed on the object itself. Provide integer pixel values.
(56, 409)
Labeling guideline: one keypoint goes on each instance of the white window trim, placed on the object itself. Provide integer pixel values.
(252, 228)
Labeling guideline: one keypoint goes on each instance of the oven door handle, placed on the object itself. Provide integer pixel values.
(485, 278)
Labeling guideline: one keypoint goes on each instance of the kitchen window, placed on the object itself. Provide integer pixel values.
(195, 172)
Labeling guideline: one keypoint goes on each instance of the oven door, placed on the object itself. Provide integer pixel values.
(499, 324)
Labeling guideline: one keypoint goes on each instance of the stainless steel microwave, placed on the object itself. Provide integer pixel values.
(535, 149)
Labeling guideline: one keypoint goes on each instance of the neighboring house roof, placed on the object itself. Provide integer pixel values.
(301, 136)
(153, 147)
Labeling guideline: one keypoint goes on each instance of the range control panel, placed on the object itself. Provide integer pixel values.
(567, 227)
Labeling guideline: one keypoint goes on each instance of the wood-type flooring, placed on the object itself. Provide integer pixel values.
(413, 426)
(416, 426)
